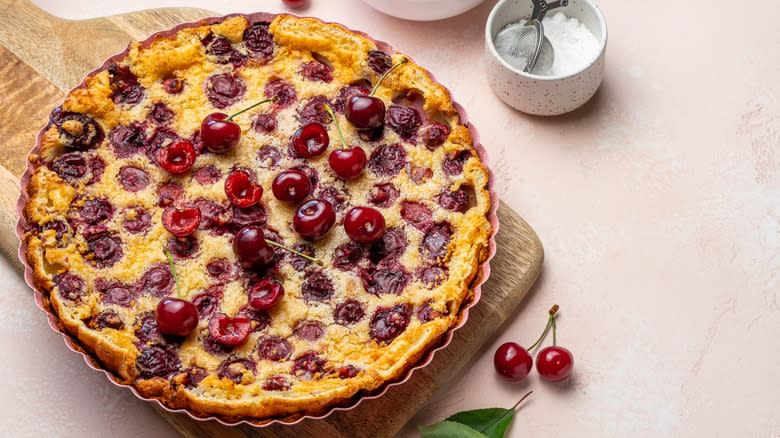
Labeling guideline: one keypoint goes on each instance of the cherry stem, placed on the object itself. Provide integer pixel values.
(173, 271)
(298, 253)
(248, 108)
(332, 115)
(550, 323)
(373, 90)
(512, 409)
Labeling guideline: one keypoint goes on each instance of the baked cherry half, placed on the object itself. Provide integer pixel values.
(310, 140)
(314, 219)
(291, 186)
(240, 189)
(176, 317)
(181, 222)
(251, 248)
(177, 158)
(265, 294)
(366, 111)
(220, 133)
(229, 331)
(364, 224)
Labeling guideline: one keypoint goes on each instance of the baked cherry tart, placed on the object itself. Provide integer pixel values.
(242, 221)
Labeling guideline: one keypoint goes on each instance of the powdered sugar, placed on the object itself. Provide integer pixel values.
(574, 45)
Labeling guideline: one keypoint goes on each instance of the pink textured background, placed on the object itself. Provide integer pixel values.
(658, 204)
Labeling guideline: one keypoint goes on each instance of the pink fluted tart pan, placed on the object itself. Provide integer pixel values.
(294, 358)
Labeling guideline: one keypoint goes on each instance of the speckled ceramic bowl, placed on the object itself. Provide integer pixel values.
(544, 95)
(423, 10)
(42, 301)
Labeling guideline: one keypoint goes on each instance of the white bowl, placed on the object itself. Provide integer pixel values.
(423, 10)
(544, 95)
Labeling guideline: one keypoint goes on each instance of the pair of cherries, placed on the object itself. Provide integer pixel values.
(315, 218)
(178, 317)
(365, 112)
(553, 363)
(312, 139)
(219, 134)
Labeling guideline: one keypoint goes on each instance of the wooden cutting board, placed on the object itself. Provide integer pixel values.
(42, 57)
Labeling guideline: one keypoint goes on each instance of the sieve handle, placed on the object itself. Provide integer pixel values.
(541, 7)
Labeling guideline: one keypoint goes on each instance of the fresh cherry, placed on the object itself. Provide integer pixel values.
(229, 331)
(176, 317)
(554, 363)
(240, 189)
(295, 4)
(314, 219)
(291, 186)
(181, 222)
(347, 163)
(220, 133)
(265, 294)
(364, 224)
(251, 248)
(365, 111)
(177, 158)
(512, 361)
(310, 140)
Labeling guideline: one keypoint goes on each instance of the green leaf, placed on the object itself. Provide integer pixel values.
(449, 429)
(492, 422)
(478, 423)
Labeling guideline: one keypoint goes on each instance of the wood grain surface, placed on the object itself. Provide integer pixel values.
(41, 57)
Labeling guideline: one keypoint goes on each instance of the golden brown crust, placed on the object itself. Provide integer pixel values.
(433, 309)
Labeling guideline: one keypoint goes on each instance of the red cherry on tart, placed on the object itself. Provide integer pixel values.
(177, 158)
(554, 363)
(176, 317)
(251, 248)
(314, 219)
(220, 133)
(366, 111)
(265, 294)
(347, 163)
(181, 222)
(240, 189)
(229, 331)
(364, 224)
(291, 186)
(512, 361)
(310, 140)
